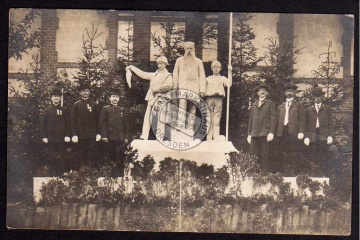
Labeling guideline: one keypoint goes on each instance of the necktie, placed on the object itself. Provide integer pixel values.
(261, 102)
(287, 107)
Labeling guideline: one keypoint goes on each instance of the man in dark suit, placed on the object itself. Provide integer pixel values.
(261, 128)
(114, 129)
(290, 130)
(319, 131)
(85, 127)
(55, 131)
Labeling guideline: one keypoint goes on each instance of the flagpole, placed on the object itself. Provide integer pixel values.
(229, 75)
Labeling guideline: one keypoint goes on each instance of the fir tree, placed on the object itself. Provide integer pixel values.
(126, 53)
(327, 70)
(244, 61)
(94, 68)
(280, 61)
(22, 36)
(170, 44)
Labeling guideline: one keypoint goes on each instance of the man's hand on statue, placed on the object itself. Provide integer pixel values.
(202, 94)
(307, 141)
(75, 139)
(270, 137)
(300, 136)
(98, 137)
(126, 141)
(105, 140)
(249, 139)
(67, 139)
(45, 140)
(329, 140)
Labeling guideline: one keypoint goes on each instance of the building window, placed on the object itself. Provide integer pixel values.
(125, 40)
(210, 42)
(166, 39)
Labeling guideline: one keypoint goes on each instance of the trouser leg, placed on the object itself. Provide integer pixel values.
(181, 118)
(210, 104)
(255, 148)
(260, 148)
(191, 117)
(264, 154)
(86, 152)
(217, 117)
(146, 123)
(91, 153)
(110, 151)
(56, 157)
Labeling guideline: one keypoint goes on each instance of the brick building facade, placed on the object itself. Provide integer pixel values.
(63, 31)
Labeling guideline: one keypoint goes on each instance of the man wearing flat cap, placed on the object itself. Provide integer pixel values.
(290, 130)
(319, 130)
(161, 81)
(114, 129)
(189, 74)
(85, 126)
(55, 131)
(261, 128)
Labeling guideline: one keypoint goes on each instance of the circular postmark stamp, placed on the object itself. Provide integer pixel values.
(173, 125)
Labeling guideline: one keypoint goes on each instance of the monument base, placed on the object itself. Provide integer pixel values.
(209, 152)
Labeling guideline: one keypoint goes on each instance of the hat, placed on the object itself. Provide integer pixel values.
(317, 92)
(162, 59)
(114, 91)
(56, 92)
(84, 86)
(262, 85)
(289, 85)
(189, 44)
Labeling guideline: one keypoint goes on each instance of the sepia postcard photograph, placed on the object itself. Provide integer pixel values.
(180, 121)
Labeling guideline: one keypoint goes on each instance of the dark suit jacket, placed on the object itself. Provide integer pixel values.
(296, 122)
(325, 121)
(114, 123)
(85, 119)
(55, 124)
(262, 119)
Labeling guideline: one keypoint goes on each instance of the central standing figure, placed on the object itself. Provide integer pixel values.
(189, 74)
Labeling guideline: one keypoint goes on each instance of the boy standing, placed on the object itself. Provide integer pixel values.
(214, 94)
(114, 129)
(55, 131)
(319, 130)
(84, 126)
(290, 129)
(262, 124)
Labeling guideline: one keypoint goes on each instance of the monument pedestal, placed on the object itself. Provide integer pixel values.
(209, 152)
